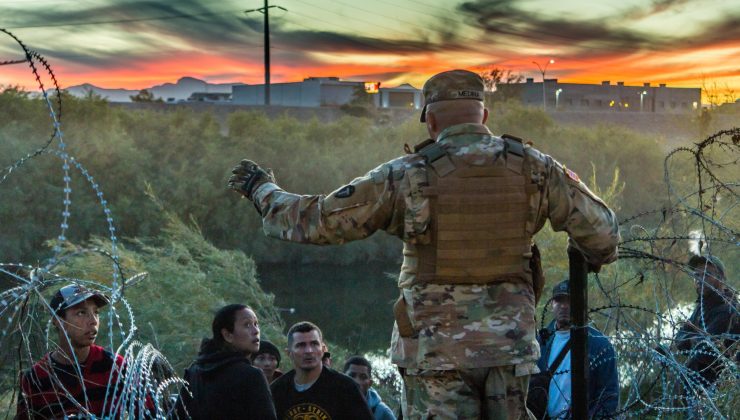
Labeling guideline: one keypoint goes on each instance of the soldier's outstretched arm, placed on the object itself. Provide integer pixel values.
(571, 207)
(352, 212)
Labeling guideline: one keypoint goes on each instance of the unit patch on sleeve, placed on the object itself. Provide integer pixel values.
(345, 192)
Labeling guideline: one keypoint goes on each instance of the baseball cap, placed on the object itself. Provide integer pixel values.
(267, 347)
(72, 294)
(699, 261)
(561, 289)
(451, 85)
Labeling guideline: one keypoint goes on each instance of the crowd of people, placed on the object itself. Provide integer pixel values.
(237, 374)
(466, 205)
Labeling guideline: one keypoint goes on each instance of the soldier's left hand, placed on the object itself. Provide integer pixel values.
(247, 176)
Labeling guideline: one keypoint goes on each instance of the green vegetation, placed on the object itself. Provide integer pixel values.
(188, 280)
(184, 159)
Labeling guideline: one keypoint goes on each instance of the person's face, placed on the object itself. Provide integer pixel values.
(246, 334)
(80, 322)
(266, 362)
(708, 279)
(561, 310)
(306, 350)
(362, 377)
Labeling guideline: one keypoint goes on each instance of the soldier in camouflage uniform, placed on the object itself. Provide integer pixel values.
(466, 206)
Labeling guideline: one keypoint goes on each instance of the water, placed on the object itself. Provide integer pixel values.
(352, 305)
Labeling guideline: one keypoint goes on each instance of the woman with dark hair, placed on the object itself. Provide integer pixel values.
(222, 382)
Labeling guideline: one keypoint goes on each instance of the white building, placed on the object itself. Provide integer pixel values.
(326, 91)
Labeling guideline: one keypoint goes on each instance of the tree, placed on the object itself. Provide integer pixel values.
(717, 95)
(494, 76)
(145, 95)
(500, 84)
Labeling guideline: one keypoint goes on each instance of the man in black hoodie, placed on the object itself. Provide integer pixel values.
(708, 337)
(312, 390)
(222, 382)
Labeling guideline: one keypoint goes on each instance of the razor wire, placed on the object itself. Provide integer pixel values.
(145, 382)
(655, 377)
(657, 353)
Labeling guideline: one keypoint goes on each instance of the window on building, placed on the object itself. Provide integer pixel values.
(661, 104)
(673, 104)
(598, 103)
(684, 105)
(584, 102)
(569, 102)
(400, 99)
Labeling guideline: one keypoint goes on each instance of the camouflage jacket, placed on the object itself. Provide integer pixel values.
(497, 325)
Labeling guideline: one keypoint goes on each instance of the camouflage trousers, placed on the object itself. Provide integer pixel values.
(494, 393)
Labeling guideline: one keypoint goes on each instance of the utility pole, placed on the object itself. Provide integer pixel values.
(265, 11)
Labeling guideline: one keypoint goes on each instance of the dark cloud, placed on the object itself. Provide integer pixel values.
(727, 29)
(338, 42)
(209, 28)
(504, 18)
(655, 7)
(598, 35)
(216, 28)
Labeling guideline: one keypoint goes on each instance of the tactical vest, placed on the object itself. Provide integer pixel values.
(482, 218)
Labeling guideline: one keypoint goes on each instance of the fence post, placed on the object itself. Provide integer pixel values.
(579, 362)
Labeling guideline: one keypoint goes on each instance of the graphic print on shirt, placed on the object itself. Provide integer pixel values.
(307, 411)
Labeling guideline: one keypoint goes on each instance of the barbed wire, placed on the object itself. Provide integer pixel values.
(135, 389)
(667, 365)
(638, 305)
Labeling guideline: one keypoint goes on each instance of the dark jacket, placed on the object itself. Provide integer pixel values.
(718, 322)
(224, 385)
(603, 379)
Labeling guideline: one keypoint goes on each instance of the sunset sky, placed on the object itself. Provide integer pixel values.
(136, 44)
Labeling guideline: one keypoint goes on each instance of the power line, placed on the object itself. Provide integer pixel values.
(402, 21)
(420, 12)
(361, 20)
(429, 5)
(115, 21)
(358, 41)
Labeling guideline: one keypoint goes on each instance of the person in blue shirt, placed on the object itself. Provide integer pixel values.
(603, 380)
(360, 369)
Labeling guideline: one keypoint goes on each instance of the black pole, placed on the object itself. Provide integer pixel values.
(267, 54)
(579, 363)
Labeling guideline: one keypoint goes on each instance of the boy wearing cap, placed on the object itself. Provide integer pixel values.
(466, 204)
(715, 317)
(268, 358)
(72, 380)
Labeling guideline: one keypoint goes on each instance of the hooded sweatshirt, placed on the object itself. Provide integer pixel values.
(716, 316)
(379, 409)
(224, 385)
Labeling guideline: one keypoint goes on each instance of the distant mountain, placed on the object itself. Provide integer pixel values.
(168, 91)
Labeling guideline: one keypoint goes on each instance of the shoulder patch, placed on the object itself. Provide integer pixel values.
(570, 174)
(345, 192)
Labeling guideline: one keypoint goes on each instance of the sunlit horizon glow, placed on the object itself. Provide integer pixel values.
(139, 44)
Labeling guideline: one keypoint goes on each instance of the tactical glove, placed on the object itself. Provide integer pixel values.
(248, 176)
